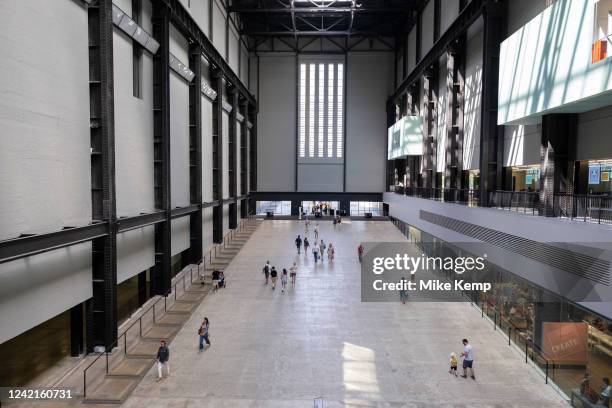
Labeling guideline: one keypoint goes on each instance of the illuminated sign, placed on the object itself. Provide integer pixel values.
(405, 137)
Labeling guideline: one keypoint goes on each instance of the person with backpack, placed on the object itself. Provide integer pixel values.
(203, 333)
(266, 270)
(274, 276)
(298, 243)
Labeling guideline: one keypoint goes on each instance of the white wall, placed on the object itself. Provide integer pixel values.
(207, 150)
(207, 229)
(448, 13)
(179, 125)
(180, 235)
(594, 141)
(225, 218)
(545, 67)
(37, 288)
(368, 83)
(198, 9)
(133, 148)
(411, 50)
(522, 145)
(276, 121)
(233, 50)
(44, 117)
(218, 30)
(473, 98)
(427, 24)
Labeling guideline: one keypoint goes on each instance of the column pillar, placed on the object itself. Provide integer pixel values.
(556, 161)
(491, 135)
(195, 153)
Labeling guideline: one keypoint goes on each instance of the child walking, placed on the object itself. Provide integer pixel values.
(454, 362)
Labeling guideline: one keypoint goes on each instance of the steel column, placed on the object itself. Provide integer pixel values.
(217, 141)
(244, 182)
(232, 146)
(491, 135)
(454, 116)
(161, 279)
(430, 120)
(195, 152)
(103, 305)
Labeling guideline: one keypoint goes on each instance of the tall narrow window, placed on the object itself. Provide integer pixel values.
(320, 110)
(330, 110)
(136, 54)
(321, 103)
(311, 112)
(340, 112)
(302, 124)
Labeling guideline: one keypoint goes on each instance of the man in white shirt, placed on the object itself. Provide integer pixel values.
(468, 359)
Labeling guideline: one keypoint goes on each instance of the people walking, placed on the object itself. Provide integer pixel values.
(293, 271)
(468, 359)
(203, 333)
(266, 270)
(315, 252)
(360, 252)
(331, 252)
(284, 280)
(306, 246)
(274, 277)
(316, 231)
(298, 244)
(403, 293)
(163, 358)
(335, 222)
(306, 223)
(322, 249)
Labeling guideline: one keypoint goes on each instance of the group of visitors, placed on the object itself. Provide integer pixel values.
(599, 398)
(271, 274)
(318, 249)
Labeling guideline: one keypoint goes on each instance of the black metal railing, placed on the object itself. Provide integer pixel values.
(521, 201)
(450, 195)
(585, 207)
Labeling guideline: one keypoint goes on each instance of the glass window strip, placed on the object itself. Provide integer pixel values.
(311, 116)
(302, 129)
(321, 110)
(340, 112)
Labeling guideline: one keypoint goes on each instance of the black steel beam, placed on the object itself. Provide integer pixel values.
(139, 221)
(454, 116)
(244, 182)
(323, 10)
(313, 196)
(103, 323)
(430, 126)
(183, 21)
(184, 211)
(469, 14)
(195, 153)
(12, 249)
(161, 274)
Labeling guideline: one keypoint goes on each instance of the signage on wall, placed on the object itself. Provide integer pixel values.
(208, 91)
(183, 70)
(129, 26)
(405, 137)
(594, 174)
(565, 342)
(227, 107)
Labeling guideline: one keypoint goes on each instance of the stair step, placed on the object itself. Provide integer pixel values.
(143, 349)
(131, 367)
(160, 332)
(171, 320)
(112, 390)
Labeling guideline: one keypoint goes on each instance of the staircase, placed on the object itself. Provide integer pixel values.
(112, 377)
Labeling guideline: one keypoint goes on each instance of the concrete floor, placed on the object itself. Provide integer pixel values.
(272, 350)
